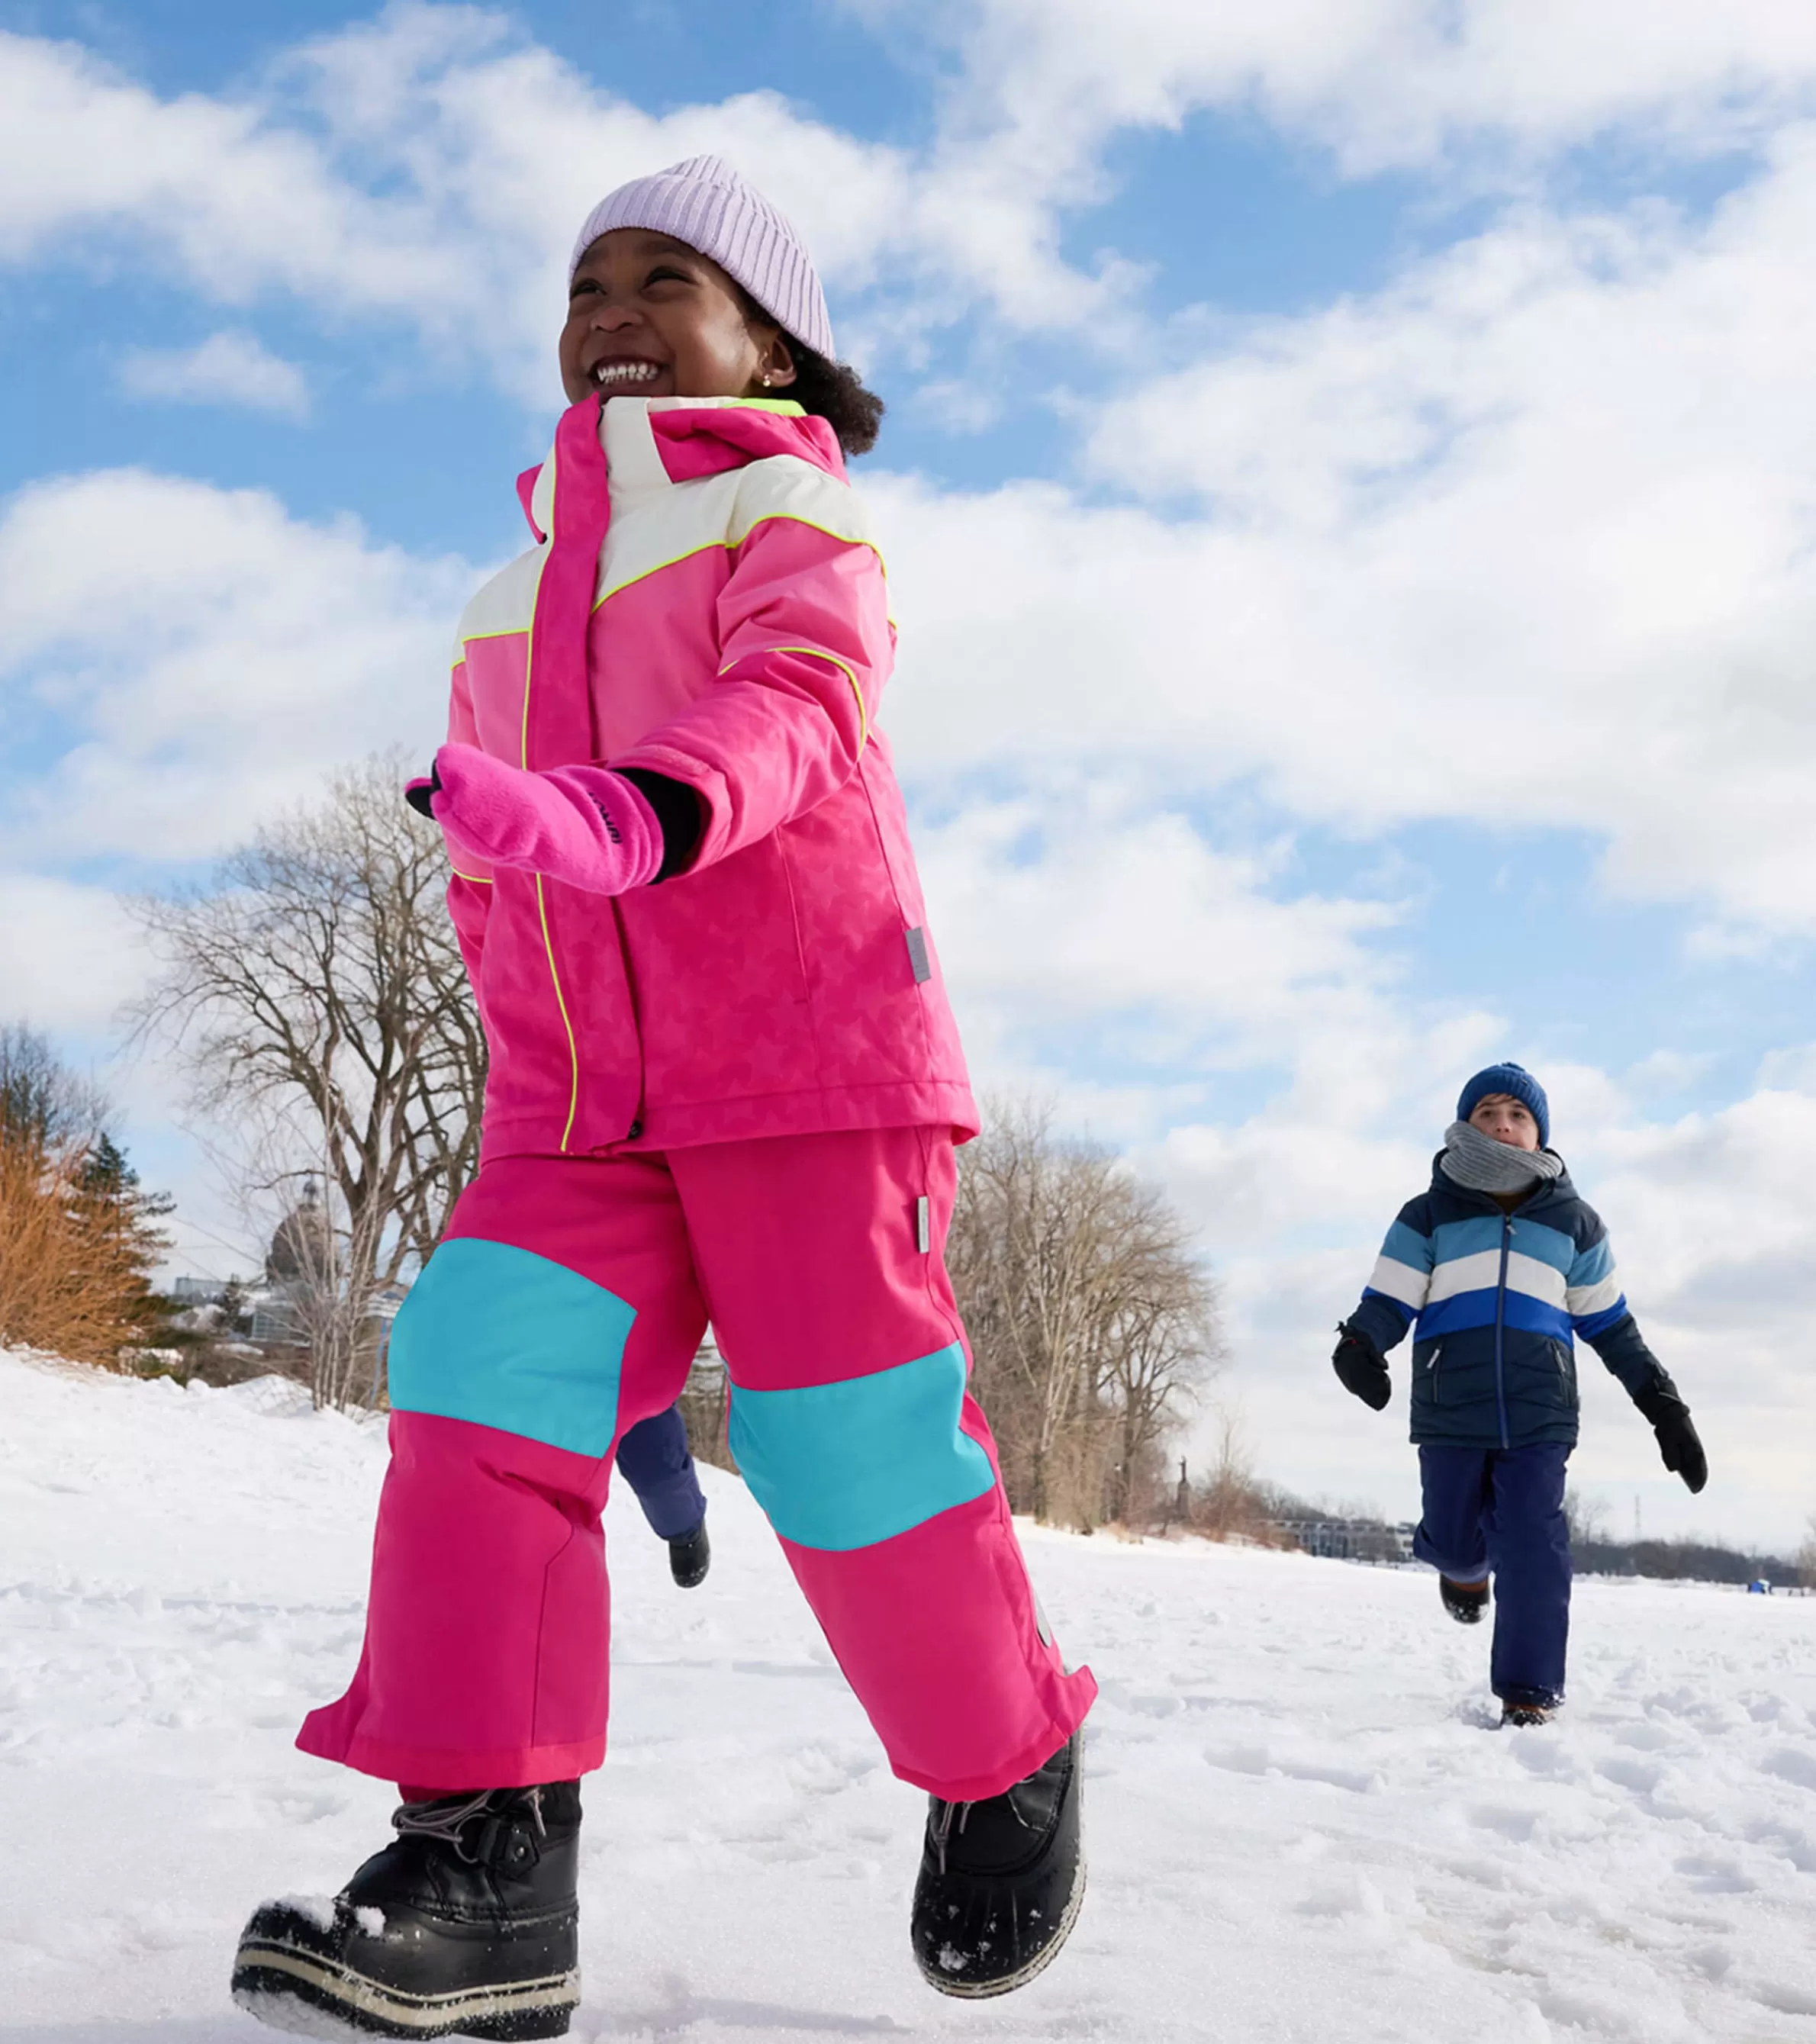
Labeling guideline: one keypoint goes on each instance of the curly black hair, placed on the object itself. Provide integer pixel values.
(831, 390)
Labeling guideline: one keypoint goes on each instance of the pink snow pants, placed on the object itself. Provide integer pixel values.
(564, 1304)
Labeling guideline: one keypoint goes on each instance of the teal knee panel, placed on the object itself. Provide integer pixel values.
(506, 1338)
(837, 1466)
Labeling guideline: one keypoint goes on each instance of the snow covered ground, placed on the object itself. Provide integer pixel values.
(1299, 1827)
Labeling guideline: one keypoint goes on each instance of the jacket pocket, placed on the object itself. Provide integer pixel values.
(1565, 1359)
(1427, 1359)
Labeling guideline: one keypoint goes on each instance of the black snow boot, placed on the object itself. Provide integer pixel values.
(1465, 1602)
(1001, 1881)
(467, 1922)
(690, 1558)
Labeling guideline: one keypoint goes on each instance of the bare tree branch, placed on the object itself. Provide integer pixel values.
(318, 983)
(1092, 1322)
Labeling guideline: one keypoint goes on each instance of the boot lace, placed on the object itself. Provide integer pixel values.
(944, 1819)
(448, 1818)
(940, 1826)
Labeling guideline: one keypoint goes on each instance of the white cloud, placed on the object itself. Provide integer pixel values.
(87, 157)
(230, 368)
(1381, 83)
(429, 162)
(411, 167)
(1525, 540)
(1792, 1069)
(196, 657)
(1082, 898)
(71, 954)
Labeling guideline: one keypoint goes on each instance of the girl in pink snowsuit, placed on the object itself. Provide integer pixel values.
(724, 1084)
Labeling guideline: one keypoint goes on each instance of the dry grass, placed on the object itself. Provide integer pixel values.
(72, 1282)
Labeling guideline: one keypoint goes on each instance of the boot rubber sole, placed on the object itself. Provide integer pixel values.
(986, 1990)
(314, 1997)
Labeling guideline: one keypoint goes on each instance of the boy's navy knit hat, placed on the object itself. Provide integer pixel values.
(704, 202)
(1518, 1084)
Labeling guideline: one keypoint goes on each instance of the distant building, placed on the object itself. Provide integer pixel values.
(304, 1255)
(1350, 1539)
(303, 1262)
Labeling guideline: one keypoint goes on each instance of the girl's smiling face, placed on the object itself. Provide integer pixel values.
(648, 316)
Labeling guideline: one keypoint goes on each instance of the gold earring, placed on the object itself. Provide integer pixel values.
(767, 379)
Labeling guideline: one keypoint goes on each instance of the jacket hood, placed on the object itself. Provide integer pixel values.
(688, 437)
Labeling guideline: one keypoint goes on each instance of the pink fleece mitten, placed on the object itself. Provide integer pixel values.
(586, 825)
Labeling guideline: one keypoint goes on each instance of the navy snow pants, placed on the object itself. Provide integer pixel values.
(1500, 1510)
(653, 1459)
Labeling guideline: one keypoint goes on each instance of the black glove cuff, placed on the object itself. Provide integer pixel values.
(679, 815)
(419, 796)
(1363, 1340)
(1659, 1401)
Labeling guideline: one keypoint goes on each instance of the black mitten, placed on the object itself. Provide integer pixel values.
(1678, 1443)
(1360, 1364)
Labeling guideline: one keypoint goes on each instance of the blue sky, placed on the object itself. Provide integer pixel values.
(1347, 496)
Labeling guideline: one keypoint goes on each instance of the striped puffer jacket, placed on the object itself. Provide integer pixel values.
(1495, 1301)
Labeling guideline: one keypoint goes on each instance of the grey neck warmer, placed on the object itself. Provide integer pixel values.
(1477, 1161)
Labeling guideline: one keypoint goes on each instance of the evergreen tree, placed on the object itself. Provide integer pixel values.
(120, 1221)
(78, 1236)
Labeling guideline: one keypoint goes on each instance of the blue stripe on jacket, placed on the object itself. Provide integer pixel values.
(1494, 1364)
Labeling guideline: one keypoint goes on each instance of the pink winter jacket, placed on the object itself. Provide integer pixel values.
(704, 601)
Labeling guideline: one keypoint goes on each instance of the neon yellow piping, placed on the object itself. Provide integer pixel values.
(706, 547)
(727, 545)
(504, 631)
(573, 1048)
(476, 880)
(832, 660)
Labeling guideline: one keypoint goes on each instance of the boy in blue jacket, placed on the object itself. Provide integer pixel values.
(1495, 1268)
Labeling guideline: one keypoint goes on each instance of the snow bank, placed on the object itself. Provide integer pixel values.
(1300, 1829)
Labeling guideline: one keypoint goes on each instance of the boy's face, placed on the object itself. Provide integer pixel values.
(1507, 1119)
(648, 316)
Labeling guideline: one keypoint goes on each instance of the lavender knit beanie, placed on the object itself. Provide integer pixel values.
(705, 203)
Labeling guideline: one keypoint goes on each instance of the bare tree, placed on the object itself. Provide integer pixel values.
(321, 1268)
(1091, 1322)
(40, 1098)
(1159, 1339)
(706, 1410)
(1586, 1517)
(1231, 1504)
(1807, 1555)
(316, 987)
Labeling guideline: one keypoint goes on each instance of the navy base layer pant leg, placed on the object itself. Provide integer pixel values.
(654, 1460)
(1502, 1511)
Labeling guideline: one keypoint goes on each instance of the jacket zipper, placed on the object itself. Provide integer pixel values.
(636, 1128)
(1500, 1322)
(1436, 1355)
